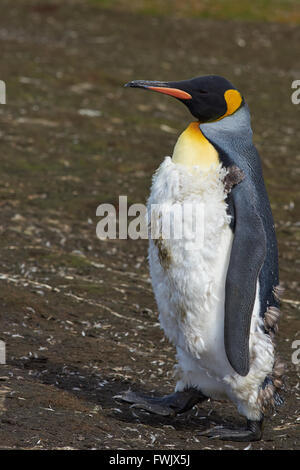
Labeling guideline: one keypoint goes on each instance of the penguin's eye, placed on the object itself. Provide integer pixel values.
(203, 92)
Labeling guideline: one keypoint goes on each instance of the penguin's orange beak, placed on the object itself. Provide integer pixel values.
(160, 87)
(182, 95)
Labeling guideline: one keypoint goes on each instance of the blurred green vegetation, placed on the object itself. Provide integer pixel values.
(284, 11)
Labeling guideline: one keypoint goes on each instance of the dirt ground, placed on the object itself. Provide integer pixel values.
(77, 314)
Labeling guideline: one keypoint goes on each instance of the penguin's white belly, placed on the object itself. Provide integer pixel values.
(189, 279)
(189, 284)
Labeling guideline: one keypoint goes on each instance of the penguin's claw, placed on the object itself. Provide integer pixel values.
(153, 405)
(155, 409)
(253, 432)
(170, 405)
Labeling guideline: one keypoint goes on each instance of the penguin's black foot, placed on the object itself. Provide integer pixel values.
(252, 432)
(170, 405)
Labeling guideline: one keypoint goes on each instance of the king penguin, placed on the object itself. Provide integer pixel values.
(218, 302)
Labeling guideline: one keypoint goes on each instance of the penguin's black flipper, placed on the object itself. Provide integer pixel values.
(247, 257)
(169, 405)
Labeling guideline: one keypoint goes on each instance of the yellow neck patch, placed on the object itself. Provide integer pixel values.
(234, 100)
(192, 148)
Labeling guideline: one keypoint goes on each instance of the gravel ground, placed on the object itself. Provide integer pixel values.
(77, 314)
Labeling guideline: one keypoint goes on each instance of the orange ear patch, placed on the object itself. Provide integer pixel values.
(234, 100)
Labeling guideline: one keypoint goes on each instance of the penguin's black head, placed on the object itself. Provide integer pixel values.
(208, 98)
